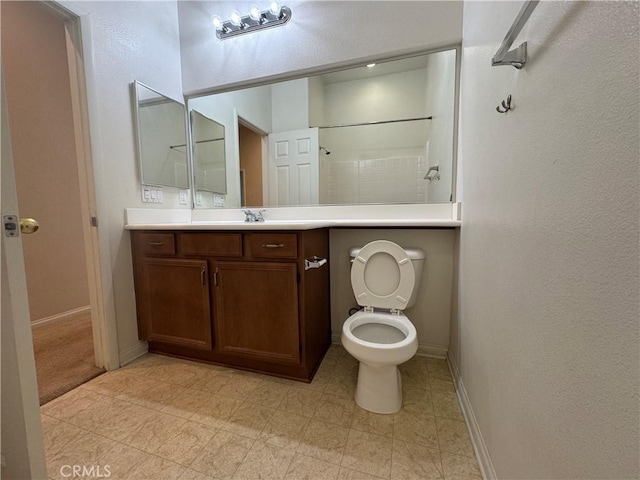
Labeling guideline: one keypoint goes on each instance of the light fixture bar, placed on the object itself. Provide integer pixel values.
(249, 23)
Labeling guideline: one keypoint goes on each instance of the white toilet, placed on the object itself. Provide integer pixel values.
(384, 277)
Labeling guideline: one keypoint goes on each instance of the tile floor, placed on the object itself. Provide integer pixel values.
(161, 417)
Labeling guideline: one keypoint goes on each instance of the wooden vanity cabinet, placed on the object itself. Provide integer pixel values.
(241, 299)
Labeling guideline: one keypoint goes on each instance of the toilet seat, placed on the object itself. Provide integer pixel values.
(374, 259)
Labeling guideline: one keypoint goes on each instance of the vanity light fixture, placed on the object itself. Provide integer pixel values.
(255, 20)
(371, 65)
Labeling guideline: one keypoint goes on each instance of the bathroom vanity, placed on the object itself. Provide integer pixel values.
(243, 298)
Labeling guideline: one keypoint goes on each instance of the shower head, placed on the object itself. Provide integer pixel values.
(326, 152)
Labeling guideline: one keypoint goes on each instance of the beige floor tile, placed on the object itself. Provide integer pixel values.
(211, 380)
(240, 386)
(348, 474)
(415, 462)
(113, 383)
(414, 377)
(155, 396)
(120, 420)
(458, 467)
(284, 430)
(186, 403)
(155, 432)
(416, 399)
(221, 457)
(57, 434)
(370, 422)
(156, 468)
(264, 462)
(300, 402)
(85, 449)
(269, 393)
(184, 446)
(438, 384)
(368, 453)
(341, 385)
(445, 404)
(336, 410)
(438, 368)
(249, 420)
(193, 475)
(308, 468)
(418, 429)
(216, 411)
(453, 437)
(178, 372)
(121, 461)
(71, 404)
(324, 441)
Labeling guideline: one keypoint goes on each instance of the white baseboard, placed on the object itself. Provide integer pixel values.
(59, 317)
(426, 350)
(479, 445)
(130, 354)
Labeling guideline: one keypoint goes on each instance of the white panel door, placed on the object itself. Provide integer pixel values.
(293, 168)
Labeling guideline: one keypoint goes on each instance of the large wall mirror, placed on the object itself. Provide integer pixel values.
(377, 133)
(162, 146)
(208, 154)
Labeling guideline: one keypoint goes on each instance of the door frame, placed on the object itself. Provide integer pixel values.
(79, 43)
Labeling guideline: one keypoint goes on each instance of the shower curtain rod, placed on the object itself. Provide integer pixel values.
(199, 141)
(375, 123)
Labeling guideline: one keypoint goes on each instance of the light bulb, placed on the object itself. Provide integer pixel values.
(217, 22)
(235, 18)
(371, 65)
(274, 8)
(255, 13)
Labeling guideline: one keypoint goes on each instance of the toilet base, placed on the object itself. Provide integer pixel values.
(379, 388)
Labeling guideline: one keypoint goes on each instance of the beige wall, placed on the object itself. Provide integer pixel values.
(39, 103)
(431, 313)
(546, 335)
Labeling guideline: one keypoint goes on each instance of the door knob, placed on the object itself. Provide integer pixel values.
(28, 225)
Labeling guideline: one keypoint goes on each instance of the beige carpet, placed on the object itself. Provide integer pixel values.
(64, 356)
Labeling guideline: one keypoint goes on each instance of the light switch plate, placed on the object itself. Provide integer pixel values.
(184, 197)
(152, 194)
(218, 200)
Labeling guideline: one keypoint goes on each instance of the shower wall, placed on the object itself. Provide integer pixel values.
(383, 163)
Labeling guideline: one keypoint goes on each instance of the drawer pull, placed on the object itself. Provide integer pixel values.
(156, 244)
(273, 245)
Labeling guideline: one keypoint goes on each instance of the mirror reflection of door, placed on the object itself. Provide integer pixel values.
(250, 149)
(44, 137)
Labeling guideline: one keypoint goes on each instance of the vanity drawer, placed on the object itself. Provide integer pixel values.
(156, 243)
(211, 244)
(273, 245)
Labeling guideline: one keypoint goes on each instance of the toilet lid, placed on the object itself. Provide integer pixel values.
(382, 276)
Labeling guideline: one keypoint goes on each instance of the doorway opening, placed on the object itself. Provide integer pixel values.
(46, 103)
(251, 148)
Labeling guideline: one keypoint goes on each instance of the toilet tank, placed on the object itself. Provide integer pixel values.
(416, 256)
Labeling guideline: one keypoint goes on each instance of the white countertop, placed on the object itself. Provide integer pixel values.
(297, 218)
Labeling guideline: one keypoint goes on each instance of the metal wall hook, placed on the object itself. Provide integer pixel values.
(506, 104)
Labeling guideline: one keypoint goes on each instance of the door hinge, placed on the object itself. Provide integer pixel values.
(94, 221)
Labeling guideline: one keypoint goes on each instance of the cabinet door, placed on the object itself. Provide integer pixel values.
(257, 310)
(176, 302)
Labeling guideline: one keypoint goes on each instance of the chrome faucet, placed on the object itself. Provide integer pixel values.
(251, 216)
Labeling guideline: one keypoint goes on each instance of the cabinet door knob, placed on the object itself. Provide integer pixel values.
(273, 245)
(215, 277)
(203, 278)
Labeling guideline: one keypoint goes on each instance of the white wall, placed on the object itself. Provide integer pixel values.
(546, 334)
(431, 314)
(126, 41)
(251, 104)
(290, 105)
(440, 99)
(320, 33)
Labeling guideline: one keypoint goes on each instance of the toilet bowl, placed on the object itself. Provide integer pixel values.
(381, 337)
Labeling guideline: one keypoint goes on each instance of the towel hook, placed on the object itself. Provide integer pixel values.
(506, 104)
